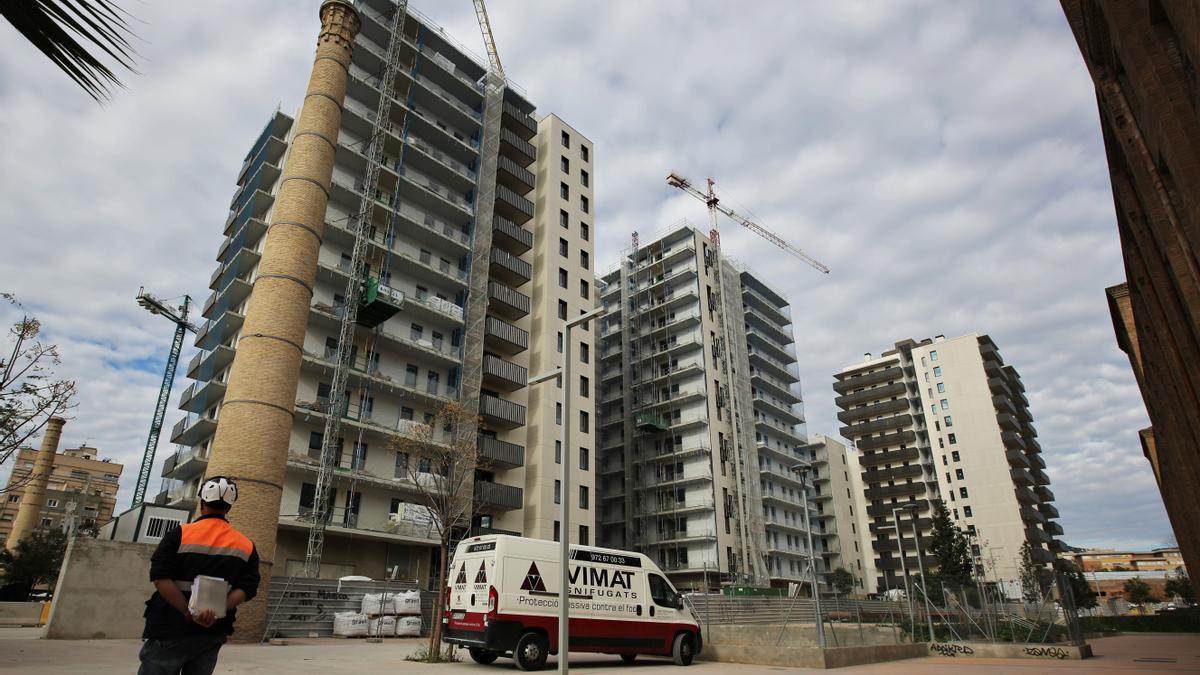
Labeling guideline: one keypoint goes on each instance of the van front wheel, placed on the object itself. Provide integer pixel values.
(531, 652)
(684, 650)
(482, 656)
(629, 658)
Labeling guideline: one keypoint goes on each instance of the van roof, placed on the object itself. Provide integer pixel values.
(509, 537)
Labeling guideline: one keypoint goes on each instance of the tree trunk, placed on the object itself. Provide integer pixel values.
(435, 631)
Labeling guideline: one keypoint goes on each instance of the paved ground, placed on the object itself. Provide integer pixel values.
(22, 651)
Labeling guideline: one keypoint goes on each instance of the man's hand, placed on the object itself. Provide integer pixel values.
(206, 618)
(236, 597)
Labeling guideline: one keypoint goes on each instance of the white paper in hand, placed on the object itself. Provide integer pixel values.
(208, 593)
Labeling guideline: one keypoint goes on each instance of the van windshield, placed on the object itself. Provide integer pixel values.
(661, 592)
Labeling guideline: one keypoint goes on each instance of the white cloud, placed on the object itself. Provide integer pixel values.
(943, 158)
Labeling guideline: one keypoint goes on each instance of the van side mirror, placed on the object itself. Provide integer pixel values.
(679, 602)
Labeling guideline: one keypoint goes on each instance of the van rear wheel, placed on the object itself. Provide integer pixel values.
(628, 658)
(531, 652)
(482, 656)
(684, 649)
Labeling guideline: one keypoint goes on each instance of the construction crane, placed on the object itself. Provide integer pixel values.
(485, 27)
(180, 318)
(675, 180)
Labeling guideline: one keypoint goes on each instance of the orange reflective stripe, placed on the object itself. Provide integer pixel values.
(214, 536)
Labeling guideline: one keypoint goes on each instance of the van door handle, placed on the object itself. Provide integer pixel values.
(651, 610)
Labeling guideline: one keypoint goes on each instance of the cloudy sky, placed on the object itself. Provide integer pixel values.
(944, 159)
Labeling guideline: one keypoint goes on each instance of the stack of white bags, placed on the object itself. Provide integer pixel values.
(382, 615)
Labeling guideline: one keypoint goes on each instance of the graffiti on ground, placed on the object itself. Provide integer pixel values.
(949, 649)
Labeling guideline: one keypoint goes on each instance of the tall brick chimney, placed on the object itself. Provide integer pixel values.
(34, 500)
(255, 425)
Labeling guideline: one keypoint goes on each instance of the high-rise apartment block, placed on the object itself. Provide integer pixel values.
(946, 419)
(837, 489)
(699, 436)
(1142, 59)
(80, 492)
(460, 299)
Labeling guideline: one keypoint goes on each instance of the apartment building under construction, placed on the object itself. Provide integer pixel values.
(699, 436)
(460, 299)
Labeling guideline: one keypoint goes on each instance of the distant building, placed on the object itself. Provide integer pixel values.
(1142, 58)
(946, 419)
(1108, 560)
(82, 491)
(839, 515)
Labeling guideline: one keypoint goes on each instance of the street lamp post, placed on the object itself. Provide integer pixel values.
(564, 511)
(802, 470)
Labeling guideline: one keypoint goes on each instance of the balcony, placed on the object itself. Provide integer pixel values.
(500, 413)
(873, 410)
(1012, 440)
(1031, 515)
(498, 496)
(192, 429)
(779, 388)
(504, 337)
(1053, 528)
(501, 453)
(1037, 535)
(509, 268)
(866, 428)
(1026, 496)
(901, 490)
(512, 206)
(894, 473)
(523, 120)
(879, 393)
(205, 365)
(1017, 458)
(510, 235)
(1021, 476)
(514, 176)
(518, 148)
(185, 463)
(200, 395)
(1004, 404)
(651, 423)
(871, 442)
(1049, 510)
(860, 381)
(886, 509)
(503, 375)
(506, 302)
(1044, 493)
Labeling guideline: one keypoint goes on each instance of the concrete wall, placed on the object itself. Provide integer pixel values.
(20, 613)
(1004, 650)
(102, 590)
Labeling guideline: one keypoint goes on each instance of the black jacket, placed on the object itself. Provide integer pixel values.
(209, 546)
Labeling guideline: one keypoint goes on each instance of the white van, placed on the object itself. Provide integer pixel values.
(502, 600)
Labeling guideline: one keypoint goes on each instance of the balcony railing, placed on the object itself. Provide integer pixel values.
(516, 268)
(519, 144)
(520, 236)
(859, 381)
(510, 373)
(516, 337)
(501, 452)
(514, 301)
(498, 495)
(504, 413)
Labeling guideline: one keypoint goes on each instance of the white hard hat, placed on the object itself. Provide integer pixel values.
(218, 489)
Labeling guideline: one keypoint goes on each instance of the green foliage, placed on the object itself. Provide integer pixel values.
(949, 545)
(842, 581)
(1137, 591)
(1179, 584)
(1085, 598)
(1179, 621)
(36, 559)
(1034, 580)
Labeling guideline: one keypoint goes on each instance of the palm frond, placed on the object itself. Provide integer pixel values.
(66, 31)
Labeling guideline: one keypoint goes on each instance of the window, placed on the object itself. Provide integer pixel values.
(557, 491)
(661, 592)
(558, 452)
(560, 342)
(937, 371)
(585, 386)
(945, 404)
(583, 289)
(955, 456)
(583, 421)
(406, 413)
(583, 497)
(583, 535)
(933, 355)
(583, 204)
(585, 352)
(584, 261)
(564, 191)
(958, 473)
(565, 164)
(952, 438)
(563, 219)
(941, 387)
(157, 527)
(967, 511)
(410, 375)
(423, 466)
(562, 247)
(558, 413)
(52, 503)
(562, 308)
(401, 464)
(562, 278)
(556, 530)
(566, 143)
(923, 363)
(583, 152)
(14, 498)
(583, 231)
(962, 492)
(358, 461)
(949, 422)
(583, 459)
(584, 178)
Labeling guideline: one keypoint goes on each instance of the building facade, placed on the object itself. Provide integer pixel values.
(1109, 560)
(839, 518)
(1141, 57)
(456, 301)
(698, 438)
(947, 420)
(81, 491)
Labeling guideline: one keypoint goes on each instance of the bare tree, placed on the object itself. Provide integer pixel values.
(442, 458)
(29, 394)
